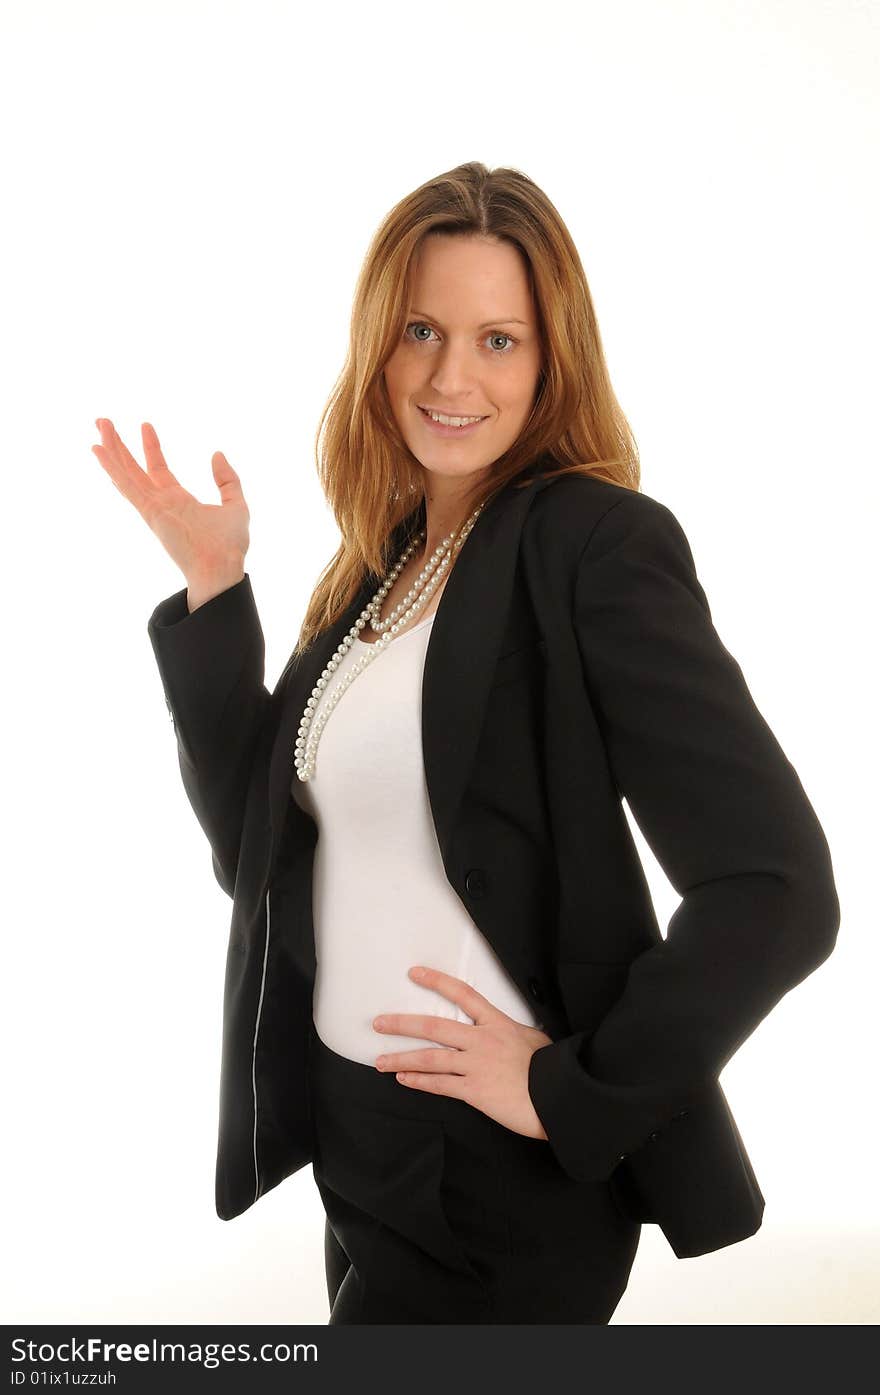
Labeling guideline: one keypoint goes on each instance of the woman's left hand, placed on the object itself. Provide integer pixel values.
(488, 1066)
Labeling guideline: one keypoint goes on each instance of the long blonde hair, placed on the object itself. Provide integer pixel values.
(370, 478)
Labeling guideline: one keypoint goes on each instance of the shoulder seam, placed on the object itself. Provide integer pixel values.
(610, 509)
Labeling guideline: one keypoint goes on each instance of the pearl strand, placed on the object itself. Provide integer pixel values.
(380, 626)
(309, 733)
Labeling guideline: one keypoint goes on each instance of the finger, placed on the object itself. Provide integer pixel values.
(438, 1058)
(453, 1086)
(156, 463)
(226, 479)
(457, 991)
(115, 443)
(444, 1030)
(121, 466)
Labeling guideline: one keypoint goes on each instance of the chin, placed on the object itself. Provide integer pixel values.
(462, 471)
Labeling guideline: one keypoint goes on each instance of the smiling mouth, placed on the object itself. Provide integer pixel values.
(469, 419)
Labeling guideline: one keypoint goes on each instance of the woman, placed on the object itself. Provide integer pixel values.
(446, 986)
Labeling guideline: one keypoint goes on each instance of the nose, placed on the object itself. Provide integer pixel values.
(453, 378)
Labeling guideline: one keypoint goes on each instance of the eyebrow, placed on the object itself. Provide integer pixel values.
(501, 320)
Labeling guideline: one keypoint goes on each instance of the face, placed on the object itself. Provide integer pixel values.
(470, 349)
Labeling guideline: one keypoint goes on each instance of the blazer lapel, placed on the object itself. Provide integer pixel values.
(464, 642)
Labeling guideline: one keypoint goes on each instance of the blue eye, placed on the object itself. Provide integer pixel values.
(499, 334)
(417, 324)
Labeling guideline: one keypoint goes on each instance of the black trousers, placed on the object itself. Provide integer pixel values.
(435, 1213)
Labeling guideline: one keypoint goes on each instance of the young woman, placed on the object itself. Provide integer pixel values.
(446, 985)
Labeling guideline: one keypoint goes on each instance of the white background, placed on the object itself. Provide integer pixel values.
(189, 190)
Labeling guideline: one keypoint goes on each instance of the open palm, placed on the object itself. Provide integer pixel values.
(203, 539)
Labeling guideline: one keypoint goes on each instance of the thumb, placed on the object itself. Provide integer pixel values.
(226, 479)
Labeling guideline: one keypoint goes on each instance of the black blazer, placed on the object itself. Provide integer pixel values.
(572, 663)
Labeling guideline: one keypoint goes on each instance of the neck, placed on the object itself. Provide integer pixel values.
(446, 510)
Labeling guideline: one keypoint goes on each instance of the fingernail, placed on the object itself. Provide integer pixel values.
(379, 1022)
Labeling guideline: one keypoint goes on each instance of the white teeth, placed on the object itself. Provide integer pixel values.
(450, 421)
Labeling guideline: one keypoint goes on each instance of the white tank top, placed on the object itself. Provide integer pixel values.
(381, 899)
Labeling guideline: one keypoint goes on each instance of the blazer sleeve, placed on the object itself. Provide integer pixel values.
(211, 663)
(727, 818)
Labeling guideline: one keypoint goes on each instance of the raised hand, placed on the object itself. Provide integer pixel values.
(207, 541)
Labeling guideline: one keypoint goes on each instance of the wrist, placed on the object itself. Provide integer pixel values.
(205, 585)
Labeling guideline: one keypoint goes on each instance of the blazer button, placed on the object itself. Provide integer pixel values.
(475, 882)
(652, 1136)
(536, 990)
(682, 1114)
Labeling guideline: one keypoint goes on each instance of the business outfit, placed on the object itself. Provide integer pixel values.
(572, 662)
(435, 1213)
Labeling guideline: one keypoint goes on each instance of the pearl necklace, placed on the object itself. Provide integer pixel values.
(421, 591)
